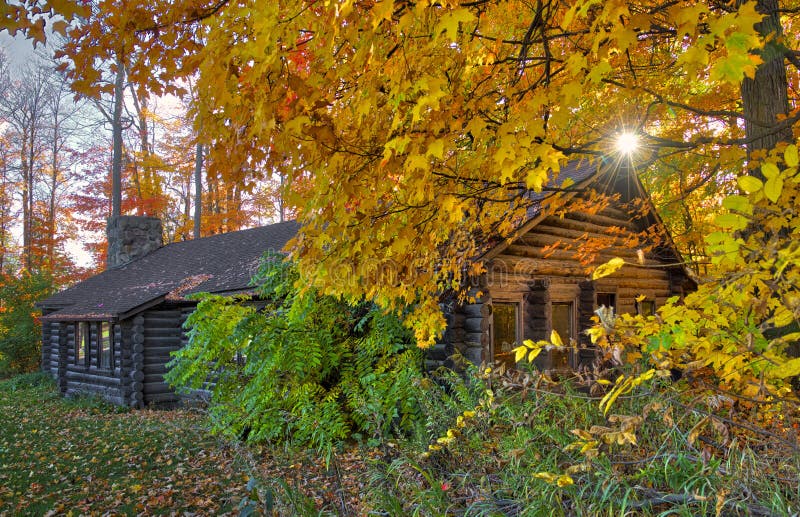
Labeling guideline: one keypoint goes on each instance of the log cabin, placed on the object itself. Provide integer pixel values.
(539, 279)
(113, 333)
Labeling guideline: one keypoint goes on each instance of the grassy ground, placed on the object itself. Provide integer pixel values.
(84, 456)
(506, 457)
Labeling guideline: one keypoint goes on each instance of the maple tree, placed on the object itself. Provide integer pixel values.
(406, 131)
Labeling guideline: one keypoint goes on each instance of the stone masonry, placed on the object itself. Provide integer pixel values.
(131, 237)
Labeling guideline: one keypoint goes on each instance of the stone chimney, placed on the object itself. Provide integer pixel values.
(131, 237)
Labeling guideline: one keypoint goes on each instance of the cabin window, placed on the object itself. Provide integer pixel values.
(81, 343)
(105, 348)
(505, 331)
(563, 320)
(646, 307)
(608, 300)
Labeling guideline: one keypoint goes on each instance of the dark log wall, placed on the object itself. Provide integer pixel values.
(142, 347)
(50, 347)
(163, 334)
(544, 266)
(467, 334)
(82, 379)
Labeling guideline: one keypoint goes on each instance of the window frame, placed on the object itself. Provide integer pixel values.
(105, 356)
(640, 309)
(82, 343)
(573, 323)
(517, 304)
(612, 294)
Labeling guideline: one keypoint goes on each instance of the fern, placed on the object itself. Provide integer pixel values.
(317, 370)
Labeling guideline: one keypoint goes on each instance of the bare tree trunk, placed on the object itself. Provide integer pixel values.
(26, 193)
(116, 159)
(198, 188)
(281, 204)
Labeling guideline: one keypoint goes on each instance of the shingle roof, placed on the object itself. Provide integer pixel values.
(218, 264)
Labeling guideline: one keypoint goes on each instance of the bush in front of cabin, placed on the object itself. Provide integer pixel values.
(305, 369)
(20, 330)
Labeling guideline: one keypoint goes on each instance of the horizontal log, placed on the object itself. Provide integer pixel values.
(161, 398)
(150, 378)
(649, 293)
(595, 220)
(571, 255)
(151, 329)
(162, 342)
(151, 318)
(473, 339)
(90, 377)
(566, 238)
(474, 325)
(156, 368)
(607, 285)
(433, 364)
(159, 387)
(473, 310)
(88, 389)
(543, 267)
(163, 357)
(616, 213)
(137, 375)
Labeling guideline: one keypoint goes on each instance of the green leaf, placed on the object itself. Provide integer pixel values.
(738, 204)
(790, 156)
(773, 188)
(770, 170)
(732, 221)
(750, 184)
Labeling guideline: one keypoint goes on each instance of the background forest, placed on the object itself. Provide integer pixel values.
(401, 134)
(56, 152)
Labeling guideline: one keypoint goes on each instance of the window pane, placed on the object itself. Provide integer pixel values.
(562, 321)
(81, 342)
(504, 322)
(104, 350)
(607, 299)
(646, 307)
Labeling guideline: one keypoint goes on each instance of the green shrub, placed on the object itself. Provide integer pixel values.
(306, 369)
(27, 381)
(20, 331)
(514, 444)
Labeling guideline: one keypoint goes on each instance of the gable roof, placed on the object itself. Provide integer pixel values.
(221, 263)
(605, 177)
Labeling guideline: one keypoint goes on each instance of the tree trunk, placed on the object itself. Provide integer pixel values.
(54, 166)
(116, 159)
(27, 193)
(765, 97)
(198, 188)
